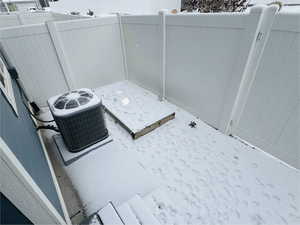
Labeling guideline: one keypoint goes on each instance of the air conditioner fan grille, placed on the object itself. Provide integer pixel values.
(73, 100)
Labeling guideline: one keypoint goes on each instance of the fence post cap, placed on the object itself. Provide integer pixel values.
(274, 8)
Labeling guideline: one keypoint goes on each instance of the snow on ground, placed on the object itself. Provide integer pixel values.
(210, 178)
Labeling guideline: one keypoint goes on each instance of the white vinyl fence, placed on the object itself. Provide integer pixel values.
(91, 50)
(142, 36)
(196, 61)
(270, 119)
(236, 71)
(206, 55)
(31, 50)
(54, 57)
(26, 18)
(9, 20)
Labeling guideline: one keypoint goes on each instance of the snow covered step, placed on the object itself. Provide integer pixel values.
(109, 216)
(127, 215)
(141, 211)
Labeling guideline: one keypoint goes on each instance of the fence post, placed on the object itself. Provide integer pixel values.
(62, 59)
(162, 15)
(123, 46)
(257, 48)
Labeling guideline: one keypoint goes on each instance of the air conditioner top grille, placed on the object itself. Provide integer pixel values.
(73, 101)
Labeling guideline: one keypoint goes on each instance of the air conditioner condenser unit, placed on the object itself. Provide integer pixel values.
(79, 117)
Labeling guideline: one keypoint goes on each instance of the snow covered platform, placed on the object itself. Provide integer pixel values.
(137, 109)
(205, 177)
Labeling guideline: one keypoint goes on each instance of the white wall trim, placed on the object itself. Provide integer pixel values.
(53, 175)
(19, 187)
(58, 190)
(63, 60)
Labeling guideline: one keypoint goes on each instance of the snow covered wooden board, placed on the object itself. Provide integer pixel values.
(138, 110)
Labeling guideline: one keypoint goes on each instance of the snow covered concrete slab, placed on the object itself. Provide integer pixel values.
(69, 157)
(109, 175)
(138, 110)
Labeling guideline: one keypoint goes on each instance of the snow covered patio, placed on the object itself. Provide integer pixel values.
(202, 175)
